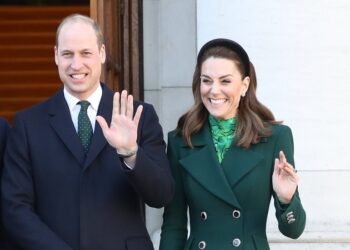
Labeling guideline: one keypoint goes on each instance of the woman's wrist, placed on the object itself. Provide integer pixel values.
(284, 200)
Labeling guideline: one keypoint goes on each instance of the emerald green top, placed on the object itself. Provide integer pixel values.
(222, 132)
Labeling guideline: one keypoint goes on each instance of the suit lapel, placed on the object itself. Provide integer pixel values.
(204, 167)
(61, 122)
(98, 140)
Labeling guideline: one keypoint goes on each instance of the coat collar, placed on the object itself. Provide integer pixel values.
(202, 164)
(61, 122)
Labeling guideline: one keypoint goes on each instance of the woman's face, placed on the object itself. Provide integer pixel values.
(221, 87)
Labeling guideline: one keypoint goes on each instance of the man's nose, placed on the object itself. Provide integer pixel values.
(76, 62)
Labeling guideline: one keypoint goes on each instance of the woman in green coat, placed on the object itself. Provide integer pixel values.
(229, 156)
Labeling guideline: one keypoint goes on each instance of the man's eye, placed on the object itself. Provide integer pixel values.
(66, 54)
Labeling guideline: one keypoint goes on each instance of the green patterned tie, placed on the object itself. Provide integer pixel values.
(84, 126)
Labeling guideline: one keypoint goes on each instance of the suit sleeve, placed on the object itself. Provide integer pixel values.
(151, 177)
(174, 228)
(23, 225)
(3, 134)
(292, 217)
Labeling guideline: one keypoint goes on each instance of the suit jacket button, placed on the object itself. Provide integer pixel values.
(236, 242)
(202, 245)
(204, 216)
(236, 214)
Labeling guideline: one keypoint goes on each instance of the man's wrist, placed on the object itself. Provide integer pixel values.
(127, 153)
(130, 161)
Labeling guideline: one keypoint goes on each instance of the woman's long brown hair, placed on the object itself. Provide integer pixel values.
(253, 120)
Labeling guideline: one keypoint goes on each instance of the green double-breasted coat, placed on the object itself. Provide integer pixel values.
(228, 203)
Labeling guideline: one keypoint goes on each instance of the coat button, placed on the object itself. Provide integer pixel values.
(202, 245)
(291, 221)
(236, 214)
(204, 215)
(236, 242)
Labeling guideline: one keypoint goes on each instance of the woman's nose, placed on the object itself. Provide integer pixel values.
(215, 87)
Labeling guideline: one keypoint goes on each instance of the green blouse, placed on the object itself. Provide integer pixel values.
(223, 132)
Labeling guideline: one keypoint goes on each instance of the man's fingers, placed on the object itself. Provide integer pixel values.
(138, 115)
(102, 122)
(130, 107)
(123, 102)
(116, 103)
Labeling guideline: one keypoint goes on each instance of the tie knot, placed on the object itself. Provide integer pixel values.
(84, 105)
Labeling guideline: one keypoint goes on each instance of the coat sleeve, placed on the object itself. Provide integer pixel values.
(174, 228)
(22, 224)
(292, 217)
(151, 176)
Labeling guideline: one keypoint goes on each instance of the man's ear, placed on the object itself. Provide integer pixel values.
(103, 54)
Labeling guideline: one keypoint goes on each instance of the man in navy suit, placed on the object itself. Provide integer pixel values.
(3, 134)
(58, 196)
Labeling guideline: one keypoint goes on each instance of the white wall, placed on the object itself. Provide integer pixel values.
(169, 60)
(301, 51)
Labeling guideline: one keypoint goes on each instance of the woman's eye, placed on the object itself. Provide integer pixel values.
(205, 80)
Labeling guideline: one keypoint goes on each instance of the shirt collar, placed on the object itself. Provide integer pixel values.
(94, 98)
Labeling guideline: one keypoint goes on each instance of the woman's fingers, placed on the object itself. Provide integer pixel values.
(282, 157)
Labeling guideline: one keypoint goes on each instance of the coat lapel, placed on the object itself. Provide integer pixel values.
(238, 162)
(98, 140)
(61, 122)
(203, 166)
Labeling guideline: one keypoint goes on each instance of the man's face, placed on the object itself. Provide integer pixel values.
(78, 58)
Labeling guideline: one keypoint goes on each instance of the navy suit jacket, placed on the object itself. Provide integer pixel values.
(55, 198)
(3, 133)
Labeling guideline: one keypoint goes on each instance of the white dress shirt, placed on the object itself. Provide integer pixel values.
(74, 107)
